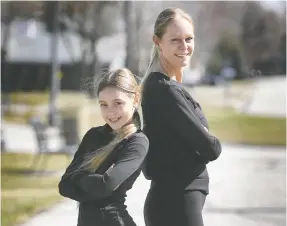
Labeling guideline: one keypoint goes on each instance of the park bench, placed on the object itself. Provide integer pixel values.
(44, 134)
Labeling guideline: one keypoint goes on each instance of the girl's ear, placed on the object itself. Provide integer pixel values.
(137, 99)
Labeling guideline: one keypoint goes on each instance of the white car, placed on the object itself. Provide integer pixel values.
(191, 76)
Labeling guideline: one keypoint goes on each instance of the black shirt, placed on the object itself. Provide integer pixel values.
(104, 187)
(179, 146)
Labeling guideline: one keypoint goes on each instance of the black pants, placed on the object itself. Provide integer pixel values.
(173, 207)
(110, 215)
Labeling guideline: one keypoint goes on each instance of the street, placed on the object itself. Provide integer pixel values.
(269, 97)
(247, 188)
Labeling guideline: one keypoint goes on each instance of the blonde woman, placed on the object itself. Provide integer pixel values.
(109, 158)
(180, 145)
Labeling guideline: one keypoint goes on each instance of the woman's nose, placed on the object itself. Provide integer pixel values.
(184, 45)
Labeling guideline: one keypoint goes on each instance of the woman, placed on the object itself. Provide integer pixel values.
(180, 145)
(109, 157)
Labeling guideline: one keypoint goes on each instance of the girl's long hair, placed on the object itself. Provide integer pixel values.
(124, 80)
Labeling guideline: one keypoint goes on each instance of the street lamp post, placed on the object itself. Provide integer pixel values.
(52, 22)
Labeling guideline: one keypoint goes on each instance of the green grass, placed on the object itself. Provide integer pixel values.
(229, 125)
(68, 104)
(30, 98)
(23, 193)
(233, 127)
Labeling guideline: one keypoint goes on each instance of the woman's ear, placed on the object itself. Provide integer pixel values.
(155, 40)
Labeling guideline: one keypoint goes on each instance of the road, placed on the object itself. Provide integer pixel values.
(268, 98)
(247, 188)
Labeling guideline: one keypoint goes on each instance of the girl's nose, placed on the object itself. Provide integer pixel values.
(111, 113)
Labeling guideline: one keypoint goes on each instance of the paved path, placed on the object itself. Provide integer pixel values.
(22, 138)
(247, 186)
(268, 98)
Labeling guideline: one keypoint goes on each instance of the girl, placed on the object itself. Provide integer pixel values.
(180, 144)
(109, 158)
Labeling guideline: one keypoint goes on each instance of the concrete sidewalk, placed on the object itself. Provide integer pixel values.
(247, 188)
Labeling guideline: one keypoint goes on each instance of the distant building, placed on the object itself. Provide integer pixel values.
(28, 57)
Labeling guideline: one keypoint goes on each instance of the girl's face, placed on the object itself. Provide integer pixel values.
(177, 43)
(117, 107)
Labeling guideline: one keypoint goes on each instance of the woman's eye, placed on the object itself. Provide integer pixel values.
(175, 40)
(189, 39)
(103, 105)
(119, 103)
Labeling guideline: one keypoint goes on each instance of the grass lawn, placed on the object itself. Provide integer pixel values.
(23, 193)
(68, 103)
(229, 125)
(233, 127)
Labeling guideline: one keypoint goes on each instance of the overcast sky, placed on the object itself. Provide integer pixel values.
(275, 5)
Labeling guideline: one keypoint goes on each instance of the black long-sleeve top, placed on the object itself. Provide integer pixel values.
(108, 184)
(179, 146)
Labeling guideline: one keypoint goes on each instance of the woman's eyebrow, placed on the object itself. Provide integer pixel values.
(180, 36)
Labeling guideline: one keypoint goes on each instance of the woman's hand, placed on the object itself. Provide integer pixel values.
(205, 128)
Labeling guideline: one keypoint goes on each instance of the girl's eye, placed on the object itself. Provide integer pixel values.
(175, 40)
(119, 103)
(103, 105)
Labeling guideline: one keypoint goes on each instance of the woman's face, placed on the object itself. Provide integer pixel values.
(117, 107)
(177, 44)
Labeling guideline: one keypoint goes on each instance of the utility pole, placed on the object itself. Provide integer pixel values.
(52, 24)
(7, 19)
(132, 51)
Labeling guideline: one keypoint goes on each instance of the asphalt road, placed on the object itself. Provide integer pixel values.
(247, 188)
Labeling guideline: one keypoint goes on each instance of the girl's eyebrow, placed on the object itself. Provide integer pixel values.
(112, 100)
(117, 100)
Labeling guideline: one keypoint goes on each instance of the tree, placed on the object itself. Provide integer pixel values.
(282, 50)
(260, 34)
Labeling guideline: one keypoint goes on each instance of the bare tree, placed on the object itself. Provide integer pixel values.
(260, 33)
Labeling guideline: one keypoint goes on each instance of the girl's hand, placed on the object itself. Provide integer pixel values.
(78, 175)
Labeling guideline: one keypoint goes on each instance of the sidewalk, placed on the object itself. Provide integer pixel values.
(268, 98)
(247, 188)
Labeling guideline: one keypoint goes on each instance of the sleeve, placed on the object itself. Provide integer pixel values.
(67, 187)
(176, 111)
(130, 160)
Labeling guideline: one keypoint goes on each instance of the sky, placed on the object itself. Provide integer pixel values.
(274, 5)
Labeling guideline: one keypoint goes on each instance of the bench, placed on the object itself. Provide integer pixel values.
(45, 137)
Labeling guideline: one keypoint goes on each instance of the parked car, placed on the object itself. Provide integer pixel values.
(211, 79)
(191, 77)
